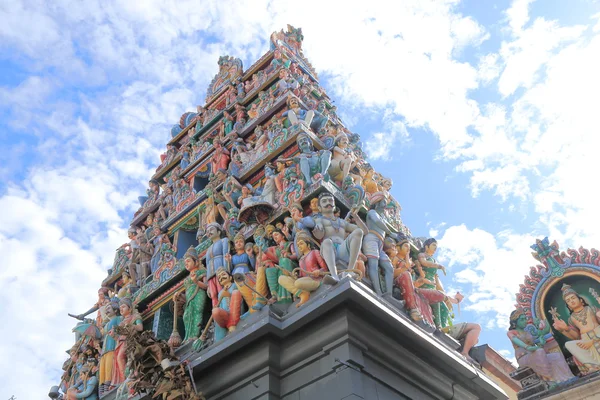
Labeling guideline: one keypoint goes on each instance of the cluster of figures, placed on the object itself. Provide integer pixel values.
(582, 330)
(98, 360)
(285, 262)
(292, 259)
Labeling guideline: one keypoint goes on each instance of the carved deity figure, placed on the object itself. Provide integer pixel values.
(312, 270)
(340, 240)
(313, 164)
(417, 301)
(215, 259)
(583, 328)
(130, 317)
(227, 309)
(432, 280)
(108, 346)
(249, 274)
(220, 158)
(88, 388)
(195, 294)
(551, 367)
(279, 259)
(343, 159)
(103, 300)
(298, 115)
(377, 259)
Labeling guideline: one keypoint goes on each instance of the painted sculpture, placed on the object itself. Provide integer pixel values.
(337, 248)
(582, 328)
(195, 295)
(312, 269)
(551, 367)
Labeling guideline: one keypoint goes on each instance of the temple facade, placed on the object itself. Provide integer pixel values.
(268, 260)
(555, 327)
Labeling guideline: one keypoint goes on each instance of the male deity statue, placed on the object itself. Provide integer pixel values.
(215, 259)
(377, 259)
(298, 115)
(336, 247)
(583, 328)
(313, 164)
(228, 306)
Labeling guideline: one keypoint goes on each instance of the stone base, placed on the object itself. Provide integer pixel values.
(345, 343)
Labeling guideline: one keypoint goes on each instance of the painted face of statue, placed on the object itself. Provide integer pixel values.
(314, 205)
(521, 322)
(431, 249)
(404, 249)
(109, 310)
(278, 237)
(305, 144)
(573, 302)
(326, 204)
(296, 214)
(343, 142)
(125, 310)
(212, 232)
(223, 277)
(239, 244)
(302, 246)
(190, 263)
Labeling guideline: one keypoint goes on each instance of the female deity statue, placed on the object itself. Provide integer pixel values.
(108, 346)
(583, 328)
(312, 269)
(220, 158)
(195, 294)
(551, 367)
(432, 280)
(343, 159)
(280, 260)
(227, 122)
(130, 317)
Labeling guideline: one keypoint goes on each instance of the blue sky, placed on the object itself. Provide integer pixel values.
(482, 113)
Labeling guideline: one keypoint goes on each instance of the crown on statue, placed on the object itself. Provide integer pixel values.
(567, 290)
(191, 253)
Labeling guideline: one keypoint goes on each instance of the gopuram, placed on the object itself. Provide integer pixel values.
(555, 327)
(268, 260)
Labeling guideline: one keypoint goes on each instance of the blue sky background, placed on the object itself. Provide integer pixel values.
(482, 113)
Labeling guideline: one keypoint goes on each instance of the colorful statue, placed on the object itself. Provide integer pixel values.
(195, 294)
(343, 159)
(417, 301)
(215, 259)
(583, 328)
(108, 346)
(550, 367)
(103, 300)
(337, 249)
(88, 389)
(280, 260)
(220, 158)
(228, 305)
(249, 274)
(372, 247)
(313, 164)
(430, 267)
(145, 256)
(312, 270)
(130, 317)
(297, 115)
(185, 157)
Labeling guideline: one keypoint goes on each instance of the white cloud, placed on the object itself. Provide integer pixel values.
(518, 15)
(489, 266)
